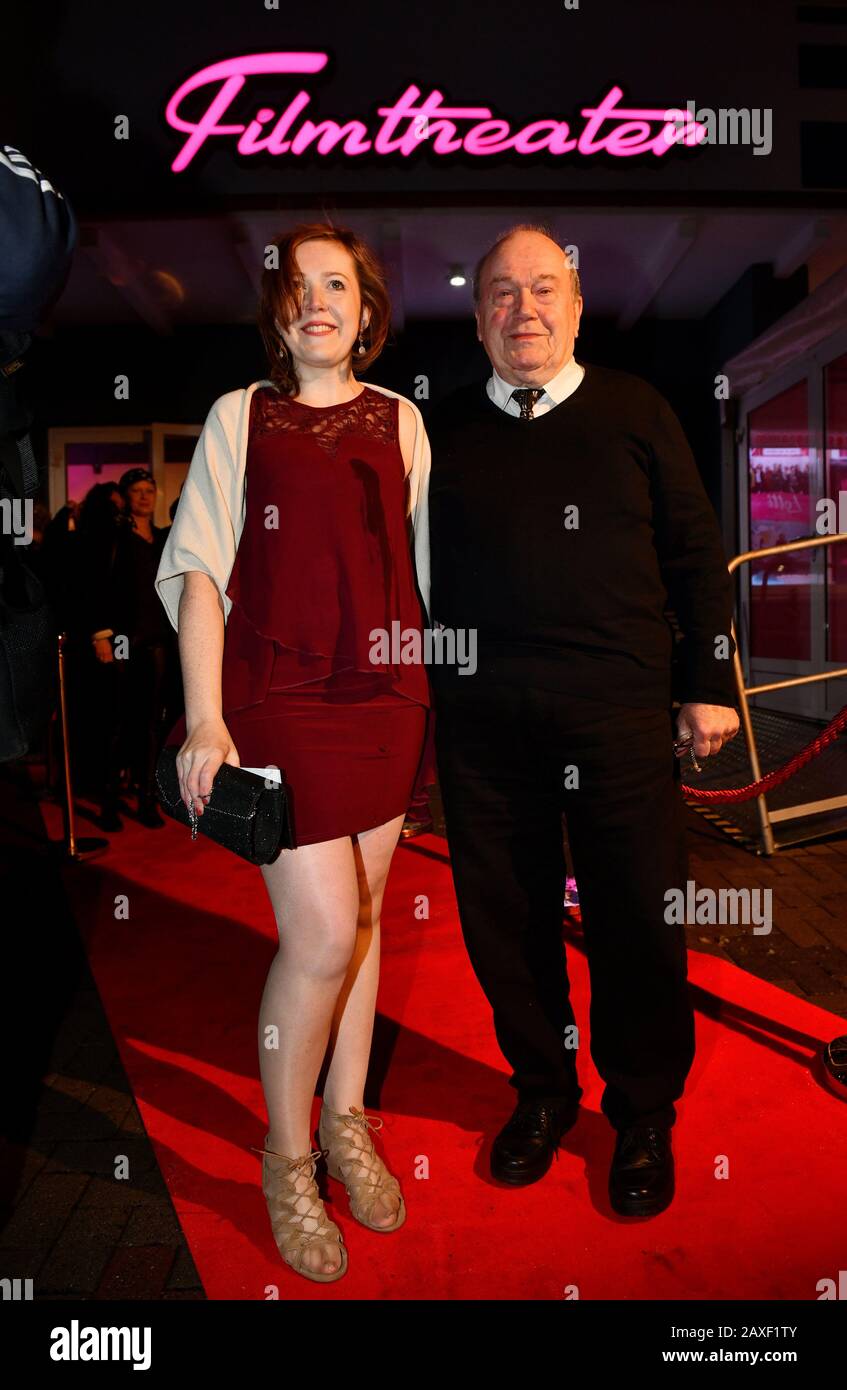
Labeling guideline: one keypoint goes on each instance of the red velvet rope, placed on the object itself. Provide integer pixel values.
(781, 774)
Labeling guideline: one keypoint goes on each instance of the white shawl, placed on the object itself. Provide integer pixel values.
(210, 517)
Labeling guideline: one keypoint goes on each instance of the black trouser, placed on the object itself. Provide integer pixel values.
(147, 695)
(503, 753)
(111, 696)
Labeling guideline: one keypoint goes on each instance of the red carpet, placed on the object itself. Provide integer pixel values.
(181, 979)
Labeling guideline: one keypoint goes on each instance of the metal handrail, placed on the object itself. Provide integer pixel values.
(769, 846)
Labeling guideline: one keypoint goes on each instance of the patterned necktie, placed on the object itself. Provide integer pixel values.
(526, 396)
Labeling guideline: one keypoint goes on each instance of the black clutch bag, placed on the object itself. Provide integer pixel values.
(242, 814)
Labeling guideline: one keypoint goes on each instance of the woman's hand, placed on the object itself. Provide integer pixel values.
(207, 746)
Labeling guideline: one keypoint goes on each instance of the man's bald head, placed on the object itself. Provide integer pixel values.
(523, 227)
(528, 306)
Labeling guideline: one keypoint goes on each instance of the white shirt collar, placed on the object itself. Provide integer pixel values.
(562, 385)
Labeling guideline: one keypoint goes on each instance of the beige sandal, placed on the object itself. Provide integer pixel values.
(352, 1159)
(298, 1216)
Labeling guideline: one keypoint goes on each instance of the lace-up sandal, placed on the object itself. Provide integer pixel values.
(298, 1217)
(352, 1159)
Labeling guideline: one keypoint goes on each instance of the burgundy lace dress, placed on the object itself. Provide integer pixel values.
(323, 568)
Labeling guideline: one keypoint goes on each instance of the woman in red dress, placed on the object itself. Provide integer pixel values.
(322, 561)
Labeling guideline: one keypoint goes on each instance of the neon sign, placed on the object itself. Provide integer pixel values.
(412, 121)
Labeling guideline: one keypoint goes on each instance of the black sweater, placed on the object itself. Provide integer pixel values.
(117, 590)
(579, 609)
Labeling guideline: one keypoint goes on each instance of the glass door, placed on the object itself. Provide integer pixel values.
(171, 449)
(783, 595)
(81, 457)
(793, 453)
(835, 418)
(781, 488)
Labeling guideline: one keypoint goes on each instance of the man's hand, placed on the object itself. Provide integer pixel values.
(711, 725)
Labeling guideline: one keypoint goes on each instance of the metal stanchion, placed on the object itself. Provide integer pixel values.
(74, 848)
(766, 817)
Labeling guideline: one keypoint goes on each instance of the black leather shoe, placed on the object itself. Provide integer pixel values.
(641, 1178)
(524, 1148)
(834, 1059)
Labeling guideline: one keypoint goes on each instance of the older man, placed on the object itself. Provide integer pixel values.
(567, 515)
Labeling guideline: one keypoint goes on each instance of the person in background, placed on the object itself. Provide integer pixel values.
(83, 555)
(128, 627)
(38, 233)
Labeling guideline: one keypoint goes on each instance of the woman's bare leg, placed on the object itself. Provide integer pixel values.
(315, 896)
(353, 1021)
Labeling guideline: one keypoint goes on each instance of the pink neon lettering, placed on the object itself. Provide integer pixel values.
(249, 144)
(643, 142)
(682, 129)
(554, 140)
(421, 121)
(412, 121)
(488, 137)
(329, 133)
(633, 137)
(275, 142)
(235, 71)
